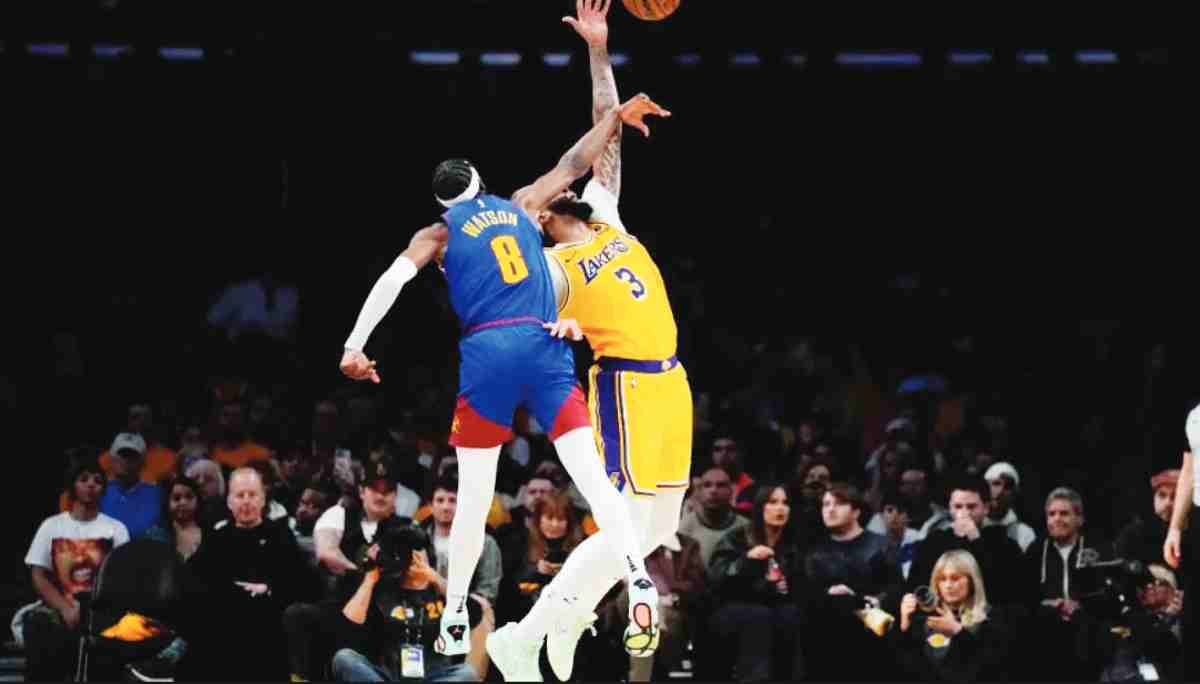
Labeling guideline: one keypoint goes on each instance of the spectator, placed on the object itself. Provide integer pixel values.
(998, 556)
(1145, 644)
(536, 557)
(269, 472)
(901, 538)
(64, 558)
(212, 506)
(392, 613)
(297, 470)
(1142, 538)
(247, 572)
(488, 573)
(807, 489)
(725, 454)
(1005, 483)
(924, 515)
(160, 462)
(317, 498)
(340, 534)
(530, 494)
(179, 526)
(135, 503)
(233, 448)
(960, 638)
(1059, 563)
(847, 569)
(714, 517)
(756, 571)
(893, 461)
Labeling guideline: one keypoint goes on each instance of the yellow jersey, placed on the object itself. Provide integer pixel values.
(616, 293)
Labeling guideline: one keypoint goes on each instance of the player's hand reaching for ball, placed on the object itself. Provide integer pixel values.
(636, 109)
(356, 366)
(591, 24)
(565, 327)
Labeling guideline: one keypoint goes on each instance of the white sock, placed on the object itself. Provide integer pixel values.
(577, 450)
(476, 487)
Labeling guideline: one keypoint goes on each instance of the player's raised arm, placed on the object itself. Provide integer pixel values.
(592, 26)
(426, 244)
(576, 162)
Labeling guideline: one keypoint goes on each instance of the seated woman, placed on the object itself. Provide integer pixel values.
(554, 532)
(956, 636)
(755, 573)
(180, 527)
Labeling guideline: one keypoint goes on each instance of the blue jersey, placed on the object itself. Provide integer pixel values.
(494, 264)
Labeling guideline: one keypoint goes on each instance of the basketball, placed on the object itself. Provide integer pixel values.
(651, 10)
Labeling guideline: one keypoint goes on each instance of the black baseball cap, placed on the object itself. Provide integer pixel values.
(382, 471)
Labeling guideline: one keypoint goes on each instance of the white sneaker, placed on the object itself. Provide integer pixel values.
(454, 638)
(642, 634)
(517, 662)
(562, 640)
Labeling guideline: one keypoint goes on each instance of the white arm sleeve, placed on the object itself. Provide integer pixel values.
(604, 204)
(382, 296)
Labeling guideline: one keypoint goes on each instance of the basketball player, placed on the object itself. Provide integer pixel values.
(502, 299)
(1187, 504)
(639, 397)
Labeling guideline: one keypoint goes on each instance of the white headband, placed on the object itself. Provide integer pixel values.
(468, 194)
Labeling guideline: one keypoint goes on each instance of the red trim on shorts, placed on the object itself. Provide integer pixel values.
(473, 431)
(571, 415)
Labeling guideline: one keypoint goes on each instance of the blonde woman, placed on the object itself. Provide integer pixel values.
(956, 636)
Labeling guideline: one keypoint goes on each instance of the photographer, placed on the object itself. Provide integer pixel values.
(1135, 630)
(340, 534)
(387, 629)
(948, 632)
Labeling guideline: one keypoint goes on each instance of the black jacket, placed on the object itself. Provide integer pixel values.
(863, 564)
(978, 654)
(999, 557)
(734, 577)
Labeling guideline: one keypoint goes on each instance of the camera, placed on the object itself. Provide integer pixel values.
(1116, 585)
(396, 542)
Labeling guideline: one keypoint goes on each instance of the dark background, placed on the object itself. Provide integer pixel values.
(1029, 206)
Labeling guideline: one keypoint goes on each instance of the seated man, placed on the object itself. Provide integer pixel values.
(387, 629)
(64, 559)
(339, 535)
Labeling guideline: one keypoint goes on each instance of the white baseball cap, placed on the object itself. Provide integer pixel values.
(128, 440)
(1003, 468)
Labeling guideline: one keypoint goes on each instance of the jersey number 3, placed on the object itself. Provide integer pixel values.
(508, 256)
(639, 288)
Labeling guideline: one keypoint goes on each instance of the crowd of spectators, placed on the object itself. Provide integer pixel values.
(903, 502)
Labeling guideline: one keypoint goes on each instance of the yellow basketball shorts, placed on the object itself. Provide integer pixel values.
(642, 415)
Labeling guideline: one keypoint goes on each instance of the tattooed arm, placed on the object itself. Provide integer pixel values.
(593, 27)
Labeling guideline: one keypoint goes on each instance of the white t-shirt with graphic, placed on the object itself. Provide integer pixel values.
(72, 550)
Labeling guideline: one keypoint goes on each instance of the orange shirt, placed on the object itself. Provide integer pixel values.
(247, 452)
(160, 464)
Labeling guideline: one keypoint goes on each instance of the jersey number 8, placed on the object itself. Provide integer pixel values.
(508, 256)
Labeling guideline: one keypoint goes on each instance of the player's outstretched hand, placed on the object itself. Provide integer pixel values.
(633, 111)
(356, 366)
(564, 327)
(591, 24)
